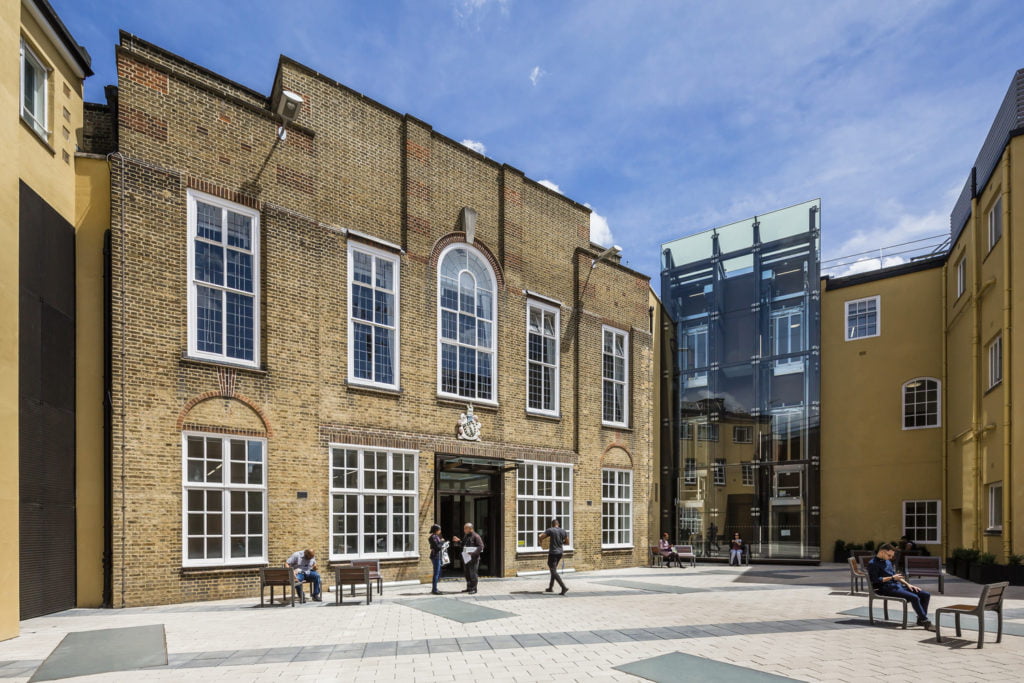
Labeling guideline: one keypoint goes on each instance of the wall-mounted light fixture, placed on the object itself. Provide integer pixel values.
(287, 106)
(613, 250)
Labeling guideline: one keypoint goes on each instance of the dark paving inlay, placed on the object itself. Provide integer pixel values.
(652, 587)
(110, 649)
(462, 611)
(967, 623)
(677, 666)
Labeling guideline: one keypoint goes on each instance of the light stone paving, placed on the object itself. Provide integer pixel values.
(780, 620)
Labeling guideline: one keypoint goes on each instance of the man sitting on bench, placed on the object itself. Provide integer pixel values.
(304, 564)
(886, 581)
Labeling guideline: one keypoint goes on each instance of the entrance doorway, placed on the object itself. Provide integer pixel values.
(470, 490)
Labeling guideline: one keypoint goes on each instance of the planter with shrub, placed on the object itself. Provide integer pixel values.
(1015, 570)
(985, 570)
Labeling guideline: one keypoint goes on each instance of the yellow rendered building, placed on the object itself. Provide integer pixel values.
(51, 458)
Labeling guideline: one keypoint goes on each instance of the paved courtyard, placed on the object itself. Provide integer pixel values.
(794, 622)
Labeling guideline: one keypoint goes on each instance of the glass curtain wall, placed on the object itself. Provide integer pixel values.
(746, 301)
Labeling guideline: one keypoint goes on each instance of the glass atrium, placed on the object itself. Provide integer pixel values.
(745, 299)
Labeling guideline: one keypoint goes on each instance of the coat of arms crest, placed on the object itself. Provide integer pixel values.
(469, 425)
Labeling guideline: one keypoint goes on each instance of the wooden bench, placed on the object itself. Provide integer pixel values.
(352, 576)
(875, 595)
(991, 600)
(685, 552)
(278, 576)
(925, 567)
(374, 567)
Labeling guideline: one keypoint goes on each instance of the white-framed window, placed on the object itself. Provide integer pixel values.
(748, 474)
(544, 492)
(718, 470)
(614, 377)
(862, 318)
(961, 276)
(995, 506)
(374, 502)
(707, 431)
(616, 508)
(686, 431)
(742, 434)
(223, 290)
(691, 521)
(694, 355)
(995, 361)
(922, 520)
(995, 223)
(921, 403)
(34, 79)
(224, 489)
(373, 343)
(542, 358)
(467, 325)
(787, 333)
(690, 472)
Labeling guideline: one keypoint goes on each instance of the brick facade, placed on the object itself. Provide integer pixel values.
(350, 170)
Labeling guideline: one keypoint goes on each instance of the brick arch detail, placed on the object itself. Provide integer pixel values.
(622, 447)
(456, 237)
(207, 395)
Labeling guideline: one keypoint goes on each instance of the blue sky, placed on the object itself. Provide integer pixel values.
(666, 117)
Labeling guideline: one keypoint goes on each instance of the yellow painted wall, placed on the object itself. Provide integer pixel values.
(869, 463)
(9, 138)
(91, 221)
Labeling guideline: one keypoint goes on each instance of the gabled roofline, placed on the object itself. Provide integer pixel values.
(74, 54)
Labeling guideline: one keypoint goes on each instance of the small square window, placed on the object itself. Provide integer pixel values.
(707, 431)
(742, 435)
(922, 520)
(862, 318)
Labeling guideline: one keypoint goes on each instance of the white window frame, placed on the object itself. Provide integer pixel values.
(541, 521)
(226, 488)
(961, 276)
(785, 317)
(718, 472)
(848, 331)
(620, 522)
(696, 379)
(545, 309)
(615, 332)
(995, 506)
(195, 196)
(492, 349)
(911, 531)
(995, 360)
(686, 431)
(738, 429)
(995, 223)
(708, 432)
(690, 472)
(907, 386)
(748, 473)
(396, 263)
(361, 491)
(29, 58)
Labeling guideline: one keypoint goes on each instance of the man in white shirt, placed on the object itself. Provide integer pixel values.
(304, 564)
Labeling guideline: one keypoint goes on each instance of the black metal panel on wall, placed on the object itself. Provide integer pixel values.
(46, 411)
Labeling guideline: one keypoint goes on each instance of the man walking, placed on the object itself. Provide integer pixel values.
(304, 564)
(472, 548)
(558, 537)
(887, 581)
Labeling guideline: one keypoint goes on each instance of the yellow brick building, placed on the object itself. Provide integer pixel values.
(51, 493)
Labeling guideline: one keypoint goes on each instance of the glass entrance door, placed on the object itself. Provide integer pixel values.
(470, 492)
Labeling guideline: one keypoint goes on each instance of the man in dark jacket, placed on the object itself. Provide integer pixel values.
(474, 546)
(887, 581)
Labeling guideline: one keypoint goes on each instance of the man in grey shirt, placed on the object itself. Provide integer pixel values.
(304, 564)
(559, 537)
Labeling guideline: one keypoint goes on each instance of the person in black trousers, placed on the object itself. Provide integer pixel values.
(474, 545)
(559, 537)
(436, 554)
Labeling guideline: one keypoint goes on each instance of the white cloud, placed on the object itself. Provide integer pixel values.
(600, 232)
(475, 145)
(464, 9)
(550, 185)
(536, 74)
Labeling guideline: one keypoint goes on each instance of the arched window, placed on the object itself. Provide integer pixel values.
(466, 325)
(921, 403)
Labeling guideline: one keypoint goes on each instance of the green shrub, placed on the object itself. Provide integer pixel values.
(959, 554)
(986, 558)
(1014, 560)
(972, 554)
(870, 545)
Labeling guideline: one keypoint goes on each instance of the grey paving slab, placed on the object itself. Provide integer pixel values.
(653, 587)
(105, 650)
(967, 623)
(462, 611)
(386, 649)
(677, 666)
(502, 642)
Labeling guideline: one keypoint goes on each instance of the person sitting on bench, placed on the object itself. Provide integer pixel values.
(885, 580)
(304, 564)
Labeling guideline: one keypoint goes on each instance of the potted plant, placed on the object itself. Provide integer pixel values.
(839, 553)
(968, 558)
(956, 561)
(985, 570)
(1015, 570)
